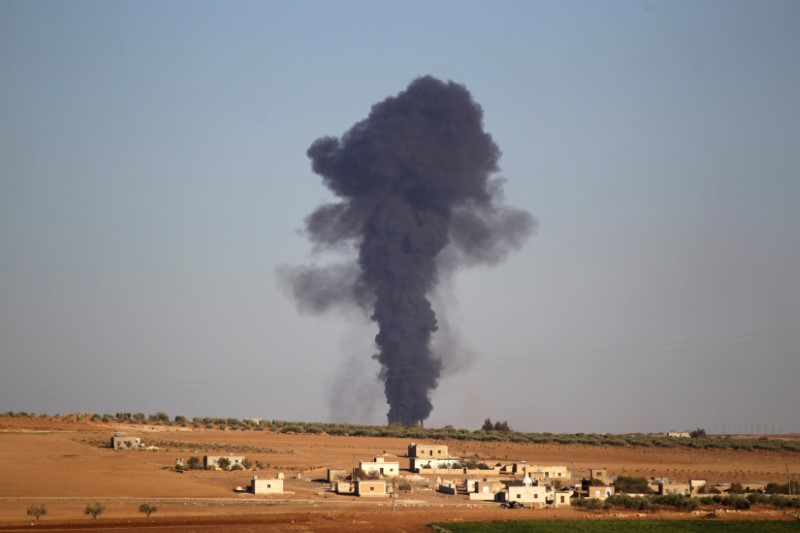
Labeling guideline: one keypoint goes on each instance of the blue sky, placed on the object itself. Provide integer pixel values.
(153, 176)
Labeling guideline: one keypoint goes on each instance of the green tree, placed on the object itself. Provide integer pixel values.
(95, 510)
(698, 433)
(148, 509)
(247, 463)
(194, 463)
(37, 511)
(487, 425)
(224, 463)
(632, 485)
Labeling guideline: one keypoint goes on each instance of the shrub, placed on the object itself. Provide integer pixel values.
(224, 463)
(95, 510)
(194, 463)
(148, 509)
(37, 511)
(632, 485)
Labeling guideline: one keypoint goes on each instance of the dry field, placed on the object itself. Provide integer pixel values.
(66, 465)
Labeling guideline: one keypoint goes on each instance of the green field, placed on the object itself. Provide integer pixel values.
(616, 526)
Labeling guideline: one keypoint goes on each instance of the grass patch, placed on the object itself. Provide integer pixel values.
(616, 526)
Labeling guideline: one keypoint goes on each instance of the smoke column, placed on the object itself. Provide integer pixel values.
(415, 202)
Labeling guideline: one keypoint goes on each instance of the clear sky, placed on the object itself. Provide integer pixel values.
(153, 177)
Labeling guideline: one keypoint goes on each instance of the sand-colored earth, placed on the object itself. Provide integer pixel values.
(67, 464)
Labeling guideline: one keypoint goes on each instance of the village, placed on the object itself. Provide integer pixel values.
(434, 468)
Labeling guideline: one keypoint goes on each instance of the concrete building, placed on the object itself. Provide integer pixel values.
(483, 489)
(121, 442)
(336, 474)
(211, 462)
(673, 487)
(266, 486)
(599, 493)
(370, 487)
(696, 484)
(380, 466)
(600, 474)
(535, 495)
(429, 451)
(345, 487)
(542, 473)
(679, 434)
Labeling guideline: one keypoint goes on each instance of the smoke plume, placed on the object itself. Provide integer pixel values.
(415, 201)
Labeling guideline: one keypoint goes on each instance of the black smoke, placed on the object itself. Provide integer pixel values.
(416, 200)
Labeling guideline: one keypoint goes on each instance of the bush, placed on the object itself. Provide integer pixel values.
(224, 463)
(37, 511)
(593, 504)
(148, 509)
(632, 485)
(194, 463)
(95, 510)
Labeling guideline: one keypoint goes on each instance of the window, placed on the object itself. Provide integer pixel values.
(562, 499)
(372, 488)
(535, 496)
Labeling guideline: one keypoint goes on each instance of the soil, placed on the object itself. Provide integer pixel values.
(67, 463)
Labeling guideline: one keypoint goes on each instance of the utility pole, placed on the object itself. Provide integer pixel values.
(788, 480)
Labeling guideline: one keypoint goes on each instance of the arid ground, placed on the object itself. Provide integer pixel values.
(66, 464)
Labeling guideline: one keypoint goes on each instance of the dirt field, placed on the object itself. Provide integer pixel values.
(66, 465)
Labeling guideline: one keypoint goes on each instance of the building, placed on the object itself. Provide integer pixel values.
(673, 487)
(483, 489)
(600, 474)
(336, 474)
(121, 442)
(696, 484)
(599, 493)
(536, 495)
(428, 451)
(370, 487)
(380, 466)
(679, 434)
(211, 462)
(266, 486)
(345, 487)
(542, 473)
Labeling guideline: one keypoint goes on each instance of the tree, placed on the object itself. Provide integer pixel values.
(95, 510)
(224, 463)
(194, 463)
(247, 463)
(502, 426)
(37, 511)
(487, 425)
(148, 509)
(632, 485)
(698, 433)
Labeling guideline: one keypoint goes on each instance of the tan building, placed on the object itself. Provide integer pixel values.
(599, 493)
(121, 442)
(211, 462)
(483, 489)
(679, 434)
(696, 484)
(370, 487)
(380, 466)
(336, 474)
(345, 487)
(600, 474)
(542, 473)
(562, 497)
(428, 451)
(266, 486)
(535, 495)
(672, 487)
